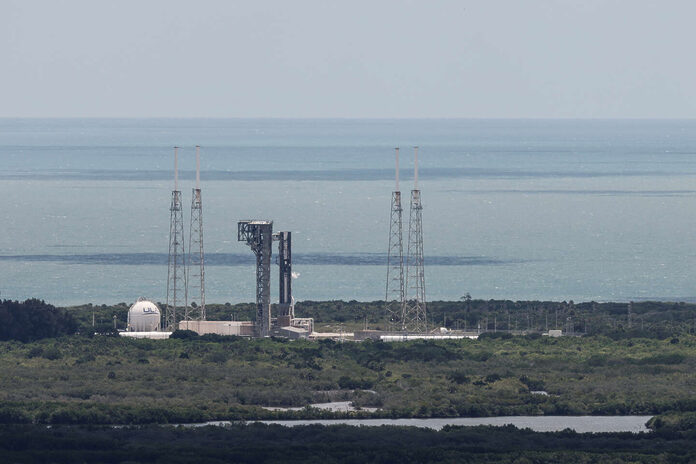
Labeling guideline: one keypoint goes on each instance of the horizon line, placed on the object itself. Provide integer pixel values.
(374, 118)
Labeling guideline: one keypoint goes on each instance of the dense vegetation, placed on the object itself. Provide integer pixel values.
(640, 361)
(88, 378)
(106, 379)
(258, 443)
(32, 320)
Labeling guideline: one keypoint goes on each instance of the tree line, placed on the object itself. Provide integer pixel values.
(34, 319)
(260, 443)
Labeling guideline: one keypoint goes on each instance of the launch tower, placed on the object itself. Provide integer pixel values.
(259, 236)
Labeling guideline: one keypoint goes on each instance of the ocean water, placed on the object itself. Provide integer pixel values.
(520, 209)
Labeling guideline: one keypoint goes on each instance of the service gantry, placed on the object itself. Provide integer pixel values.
(259, 236)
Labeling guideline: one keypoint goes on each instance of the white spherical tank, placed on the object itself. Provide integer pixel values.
(143, 316)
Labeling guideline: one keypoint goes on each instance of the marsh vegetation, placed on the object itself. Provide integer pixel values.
(103, 379)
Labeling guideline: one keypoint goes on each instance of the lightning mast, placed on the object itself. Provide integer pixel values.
(196, 261)
(414, 316)
(176, 274)
(394, 298)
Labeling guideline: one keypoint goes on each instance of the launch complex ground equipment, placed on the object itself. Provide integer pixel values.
(259, 236)
(285, 303)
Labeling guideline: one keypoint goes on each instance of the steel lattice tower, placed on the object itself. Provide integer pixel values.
(196, 261)
(176, 274)
(394, 298)
(259, 236)
(414, 317)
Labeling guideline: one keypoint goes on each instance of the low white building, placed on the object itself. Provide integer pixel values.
(151, 335)
(242, 328)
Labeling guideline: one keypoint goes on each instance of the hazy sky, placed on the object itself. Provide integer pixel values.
(280, 58)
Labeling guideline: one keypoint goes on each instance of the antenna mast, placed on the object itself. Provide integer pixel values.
(414, 319)
(176, 273)
(394, 298)
(196, 264)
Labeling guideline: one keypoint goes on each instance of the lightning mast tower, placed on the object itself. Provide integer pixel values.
(394, 299)
(196, 261)
(176, 274)
(414, 319)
